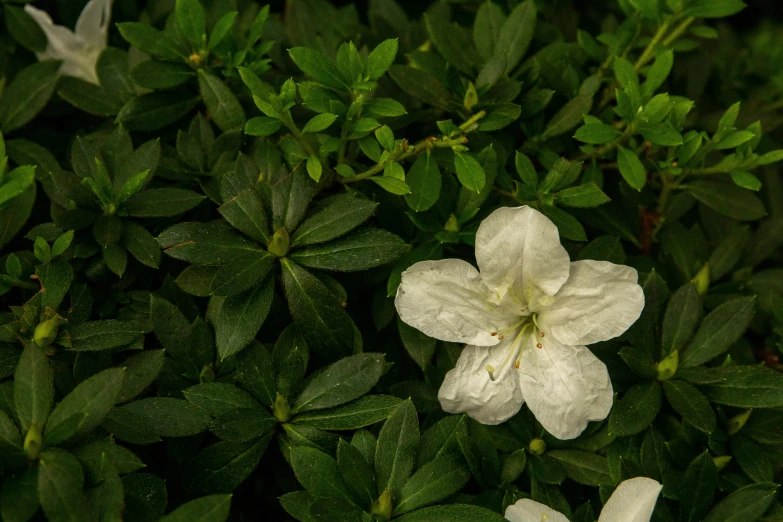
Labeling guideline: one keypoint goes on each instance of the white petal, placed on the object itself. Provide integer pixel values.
(599, 301)
(518, 250)
(468, 388)
(564, 386)
(632, 501)
(93, 22)
(447, 300)
(526, 510)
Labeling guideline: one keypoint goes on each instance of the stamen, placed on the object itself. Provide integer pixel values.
(493, 334)
(542, 334)
(501, 337)
(539, 345)
(522, 310)
(491, 372)
(516, 365)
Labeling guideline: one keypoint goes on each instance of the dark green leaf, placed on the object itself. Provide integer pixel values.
(204, 243)
(363, 412)
(744, 505)
(683, 314)
(691, 404)
(212, 508)
(340, 215)
(223, 105)
(60, 482)
(728, 200)
(343, 381)
(102, 335)
(222, 467)
(33, 388)
(170, 417)
(319, 474)
(365, 249)
(395, 454)
(140, 370)
(241, 316)
(161, 202)
(636, 410)
(318, 66)
(698, 487)
(27, 94)
(435, 481)
(719, 330)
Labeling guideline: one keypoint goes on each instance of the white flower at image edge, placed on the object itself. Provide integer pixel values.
(79, 49)
(525, 315)
(632, 501)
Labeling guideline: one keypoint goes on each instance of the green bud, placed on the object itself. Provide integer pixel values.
(513, 466)
(537, 447)
(278, 245)
(46, 332)
(207, 374)
(281, 409)
(737, 422)
(721, 462)
(33, 441)
(702, 280)
(452, 225)
(471, 97)
(668, 367)
(382, 507)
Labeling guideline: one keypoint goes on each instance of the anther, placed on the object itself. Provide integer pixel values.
(539, 345)
(523, 310)
(516, 365)
(493, 334)
(501, 336)
(542, 334)
(491, 371)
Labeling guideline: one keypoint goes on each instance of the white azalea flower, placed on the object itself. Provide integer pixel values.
(525, 315)
(79, 50)
(632, 501)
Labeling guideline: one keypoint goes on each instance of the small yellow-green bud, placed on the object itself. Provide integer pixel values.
(278, 245)
(207, 374)
(452, 225)
(281, 409)
(537, 447)
(737, 422)
(33, 441)
(668, 366)
(471, 97)
(721, 462)
(382, 507)
(702, 279)
(46, 332)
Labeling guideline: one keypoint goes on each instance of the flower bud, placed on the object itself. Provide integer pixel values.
(737, 422)
(513, 466)
(668, 366)
(537, 447)
(382, 507)
(46, 332)
(33, 441)
(471, 96)
(452, 225)
(207, 374)
(281, 409)
(721, 462)
(702, 279)
(278, 245)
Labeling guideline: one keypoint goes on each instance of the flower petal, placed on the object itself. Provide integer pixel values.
(447, 300)
(599, 301)
(633, 501)
(468, 388)
(526, 510)
(564, 386)
(518, 251)
(93, 23)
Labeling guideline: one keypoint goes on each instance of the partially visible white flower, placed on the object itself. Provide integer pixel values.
(632, 501)
(525, 315)
(79, 49)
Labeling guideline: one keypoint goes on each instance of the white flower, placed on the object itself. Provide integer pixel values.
(632, 501)
(525, 315)
(79, 50)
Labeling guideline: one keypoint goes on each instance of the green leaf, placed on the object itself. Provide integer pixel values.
(486, 28)
(340, 214)
(170, 417)
(84, 408)
(631, 168)
(745, 180)
(55, 281)
(582, 466)
(395, 454)
(362, 250)
(24, 29)
(356, 472)
(597, 133)
(662, 134)
(141, 244)
(319, 123)
(88, 97)
(516, 33)
(245, 212)
(241, 273)
(217, 398)
(243, 424)
(102, 335)
(19, 496)
(392, 185)
(744, 505)
(568, 116)
(140, 370)
(526, 170)
(325, 325)
(734, 139)
(149, 40)
(204, 243)
(319, 474)
(153, 111)
(212, 508)
(381, 58)
(362, 412)
(712, 8)
(343, 381)
(60, 482)
(255, 373)
(636, 410)
(745, 387)
(262, 126)
(568, 226)
(241, 316)
(319, 67)
(192, 20)
(691, 404)
(452, 513)
(27, 94)
(161, 202)
(314, 168)
(719, 330)
(421, 84)
(752, 458)
(726, 199)
(223, 105)
(453, 43)
(587, 195)
(33, 388)
(698, 487)
(658, 72)
(419, 346)
(435, 481)
(469, 171)
(683, 315)
(221, 29)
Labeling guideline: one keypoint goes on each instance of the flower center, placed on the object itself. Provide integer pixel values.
(525, 328)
